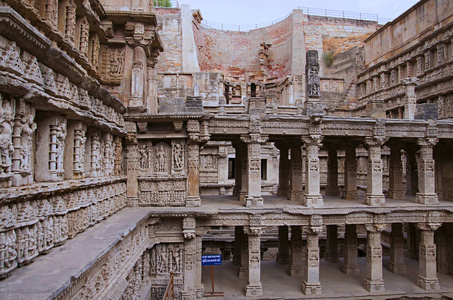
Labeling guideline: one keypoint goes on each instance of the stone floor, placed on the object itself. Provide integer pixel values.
(277, 284)
(43, 278)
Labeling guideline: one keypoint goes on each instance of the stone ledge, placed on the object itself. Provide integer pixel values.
(65, 265)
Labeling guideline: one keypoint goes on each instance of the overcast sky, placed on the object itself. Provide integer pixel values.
(244, 12)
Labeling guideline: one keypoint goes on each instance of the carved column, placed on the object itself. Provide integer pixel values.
(283, 174)
(396, 264)
(311, 284)
(238, 238)
(283, 245)
(411, 98)
(132, 157)
(254, 287)
(332, 173)
(138, 76)
(332, 244)
(190, 251)
(79, 150)
(426, 179)
(312, 196)
(244, 175)
(253, 141)
(350, 174)
(244, 258)
(411, 171)
(295, 193)
(427, 278)
(374, 281)
(199, 288)
(238, 149)
(396, 186)
(442, 253)
(374, 195)
(351, 243)
(295, 267)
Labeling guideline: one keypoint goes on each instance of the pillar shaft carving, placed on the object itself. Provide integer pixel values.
(332, 173)
(311, 284)
(426, 172)
(254, 287)
(396, 186)
(351, 243)
(295, 267)
(312, 196)
(374, 195)
(332, 244)
(283, 245)
(427, 277)
(374, 281)
(396, 264)
(295, 193)
(350, 175)
(283, 175)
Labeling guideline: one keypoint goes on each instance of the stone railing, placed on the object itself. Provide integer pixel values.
(36, 218)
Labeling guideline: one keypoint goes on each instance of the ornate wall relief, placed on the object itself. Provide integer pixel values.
(162, 158)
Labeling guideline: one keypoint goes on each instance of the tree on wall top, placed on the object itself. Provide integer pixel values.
(162, 3)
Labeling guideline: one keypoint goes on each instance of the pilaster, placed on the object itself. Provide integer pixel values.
(283, 175)
(190, 258)
(254, 287)
(132, 157)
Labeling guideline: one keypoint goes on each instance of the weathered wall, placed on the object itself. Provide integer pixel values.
(170, 32)
(235, 52)
(408, 29)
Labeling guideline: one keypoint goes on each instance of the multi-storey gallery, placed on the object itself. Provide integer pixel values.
(313, 154)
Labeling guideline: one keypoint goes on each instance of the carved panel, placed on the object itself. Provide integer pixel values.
(169, 192)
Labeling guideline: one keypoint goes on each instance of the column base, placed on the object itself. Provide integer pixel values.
(375, 200)
(254, 290)
(349, 195)
(282, 192)
(282, 258)
(193, 201)
(397, 194)
(242, 196)
(295, 271)
(426, 198)
(132, 201)
(311, 288)
(398, 268)
(428, 284)
(254, 201)
(295, 196)
(312, 200)
(374, 286)
(243, 273)
(333, 191)
(351, 269)
(200, 292)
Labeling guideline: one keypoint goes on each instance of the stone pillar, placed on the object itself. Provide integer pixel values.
(244, 176)
(244, 263)
(132, 157)
(374, 195)
(374, 281)
(427, 277)
(295, 267)
(138, 77)
(197, 136)
(411, 171)
(396, 186)
(199, 288)
(190, 251)
(411, 240)
(396, 264)
(350, 174)
(332, 244)
(254, 287)
(283, 245)
(238, 168)
(411, 97)
(312, 196)
(426, 179)
(283, 174)
(238, 237)
(332, 173)
(296, 193)
(442, 254)
(311, 284)
(351, 243)
(253, 141)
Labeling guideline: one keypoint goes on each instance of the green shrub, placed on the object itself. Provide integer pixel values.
(328, 58)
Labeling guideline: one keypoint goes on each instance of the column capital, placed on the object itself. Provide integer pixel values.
(428, 226)
(189, 227)
(254, 138)
(312, 139)
(254, 231)
(375, 141)
(410, 81)
(427, 142)
(375, 227)
(313, 229)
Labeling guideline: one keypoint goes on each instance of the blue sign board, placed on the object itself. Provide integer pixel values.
(209, 260)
